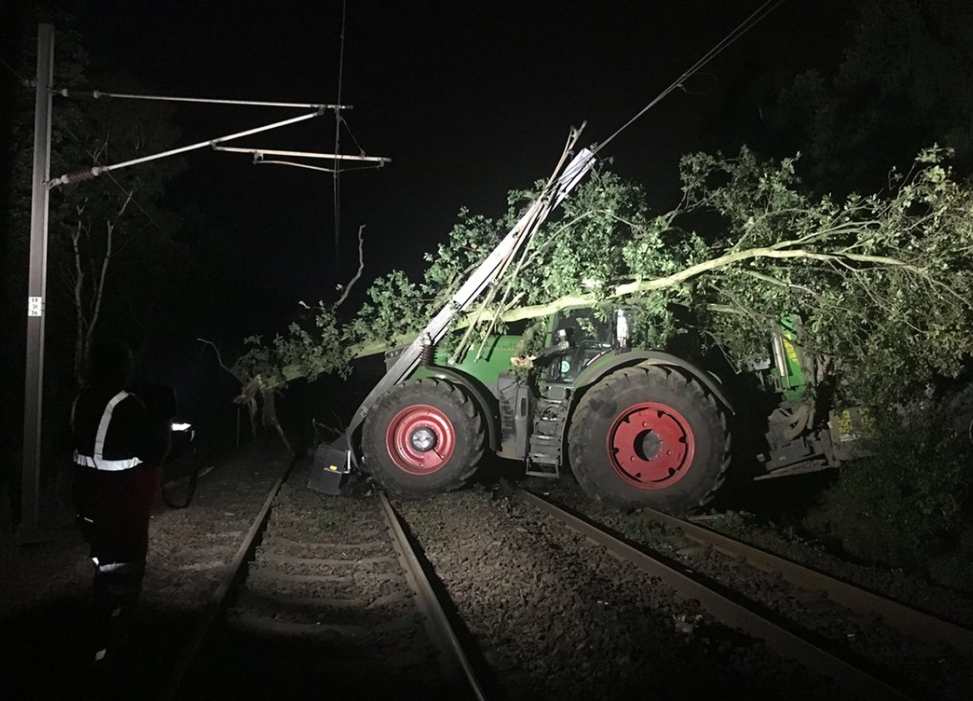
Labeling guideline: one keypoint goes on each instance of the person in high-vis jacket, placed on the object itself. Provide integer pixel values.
(119, 449)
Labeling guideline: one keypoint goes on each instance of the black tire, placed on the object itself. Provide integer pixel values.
(448, 413)
(675, 468)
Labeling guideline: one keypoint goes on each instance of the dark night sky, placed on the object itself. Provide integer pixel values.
(468, 99)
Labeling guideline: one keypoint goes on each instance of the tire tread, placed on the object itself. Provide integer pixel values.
(462, 401)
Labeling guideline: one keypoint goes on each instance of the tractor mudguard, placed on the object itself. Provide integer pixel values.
(627, 358)
(479, 393)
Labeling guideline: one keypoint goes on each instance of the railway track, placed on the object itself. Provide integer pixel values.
(325, 595)
(910, 621)
(869, 678)
(328, 594)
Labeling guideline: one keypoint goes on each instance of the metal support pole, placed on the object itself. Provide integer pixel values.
(30, 530)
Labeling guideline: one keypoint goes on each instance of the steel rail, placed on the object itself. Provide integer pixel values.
(918, 624)
(218, 599)
(731, 613)
(455, 662)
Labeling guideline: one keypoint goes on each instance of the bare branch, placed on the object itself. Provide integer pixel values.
(100, 280)
(361, 267)
(219, 357)
(781, 283)
(80, 335)
(124, 206)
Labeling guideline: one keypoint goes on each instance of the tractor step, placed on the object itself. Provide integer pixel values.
(538, 470)
(550, 417)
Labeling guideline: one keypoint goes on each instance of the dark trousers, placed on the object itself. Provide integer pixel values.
(113, 509)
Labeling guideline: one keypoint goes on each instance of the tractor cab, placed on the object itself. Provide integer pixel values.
(581, 336)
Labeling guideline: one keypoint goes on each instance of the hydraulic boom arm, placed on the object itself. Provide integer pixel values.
(487, 273)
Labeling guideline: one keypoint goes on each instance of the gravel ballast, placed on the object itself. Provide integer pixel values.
(325, 608)
(559, 618)
(44, 589)
(553, 614)
(937, 670)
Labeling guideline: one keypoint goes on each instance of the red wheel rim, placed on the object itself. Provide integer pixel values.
(398, 439)
(651, 445)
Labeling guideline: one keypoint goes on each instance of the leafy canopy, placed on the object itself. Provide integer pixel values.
(882, 282)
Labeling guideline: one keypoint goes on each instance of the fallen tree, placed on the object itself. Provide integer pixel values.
(882, 282)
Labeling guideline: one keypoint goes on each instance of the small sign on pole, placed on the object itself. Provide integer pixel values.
(35, 306)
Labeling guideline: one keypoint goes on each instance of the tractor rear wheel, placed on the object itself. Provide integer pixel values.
(649, 437)
(423, 437)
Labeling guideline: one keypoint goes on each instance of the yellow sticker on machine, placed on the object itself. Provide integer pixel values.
(791, 351)
(852, 424)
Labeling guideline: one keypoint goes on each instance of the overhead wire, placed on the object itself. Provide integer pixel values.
(336, 176)
(344, 121)
(758, 15)
(22, 79)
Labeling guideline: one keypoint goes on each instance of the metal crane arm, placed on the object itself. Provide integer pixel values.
(339, 457)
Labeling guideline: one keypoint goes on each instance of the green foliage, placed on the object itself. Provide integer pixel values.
(395, 307)
(298, 354)
(905, 503)
(882, 282)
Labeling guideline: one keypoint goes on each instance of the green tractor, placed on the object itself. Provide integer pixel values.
(637, 427)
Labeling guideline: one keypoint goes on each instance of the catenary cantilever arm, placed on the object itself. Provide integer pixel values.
(89, 173)
(98, 94)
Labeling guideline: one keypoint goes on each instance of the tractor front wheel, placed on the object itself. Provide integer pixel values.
(423, 437)
(649, 437)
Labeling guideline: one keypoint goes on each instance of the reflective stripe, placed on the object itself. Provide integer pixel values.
(115, 567)
(97, 461)
(105, 421)
(110, 465)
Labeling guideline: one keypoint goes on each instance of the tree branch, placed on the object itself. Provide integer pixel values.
(78, 308)
(780, 283)
(100, 280)
(773, 252)
(361, 267)
(219, 357)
